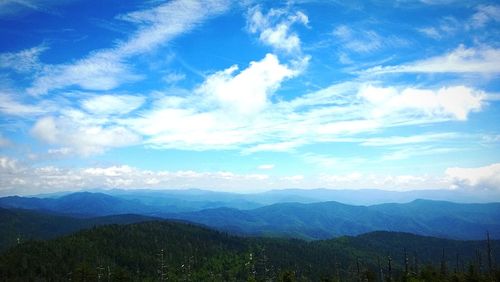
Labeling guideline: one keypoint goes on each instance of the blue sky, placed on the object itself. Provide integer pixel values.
(247, 96)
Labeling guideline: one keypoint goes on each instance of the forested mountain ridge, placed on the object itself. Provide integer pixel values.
(332, 219)
(152, 251)
(318, 220)
(17, 225)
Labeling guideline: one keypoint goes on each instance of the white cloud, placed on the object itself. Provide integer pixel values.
(265, 166)
(173, 77)
(101, 71)
(356, 180)
(112, 104)
(285, 146)
(461, 60)
(451, 102)
(229, 109)
(25, 179)
(8, 164)
(161, 24)
(479, 178)
(447, 26)
(431, 32)
(24, 61)
(28, 180)
(107, 69)
(358, 41)
(10, 106)
(211, 120)
(485, 14)
(85, 139)
(235, 111)
(274, 28)
(247, 92)
(57, 152)
(364, 40)
(402, 153)
(413, 139)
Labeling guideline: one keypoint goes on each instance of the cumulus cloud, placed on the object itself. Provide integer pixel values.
(486, 178)
(26, 179)
(210, 120)
(249, 91)
(8, 164)
(449, 102)
(461, 60)
(226, 111)
(42, 179)
(86, 139)
(274, 28)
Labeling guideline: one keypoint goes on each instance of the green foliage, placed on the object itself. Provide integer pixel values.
(17, 225)
(157, 251)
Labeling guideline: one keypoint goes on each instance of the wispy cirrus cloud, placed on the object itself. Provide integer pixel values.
(24, 61)
(485, 14)
(12, 7)
(447, 26)
(112, 104)
(107, 69)
(461, 60)
(10, 105)
(412, 139)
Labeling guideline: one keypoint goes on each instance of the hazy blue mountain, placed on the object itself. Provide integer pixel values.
(332, 219)
(365, 196)
(22, 225)
(185, 200)
(196, 199)
(123, 201)
(80, 203)
(254, 200)
(316, 220)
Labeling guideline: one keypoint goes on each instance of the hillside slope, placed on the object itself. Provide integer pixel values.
(18, 225)
(185, 252)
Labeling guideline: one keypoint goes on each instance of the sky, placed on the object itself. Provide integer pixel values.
(248, 96)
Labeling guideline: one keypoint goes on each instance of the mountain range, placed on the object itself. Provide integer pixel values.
(311, 221)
